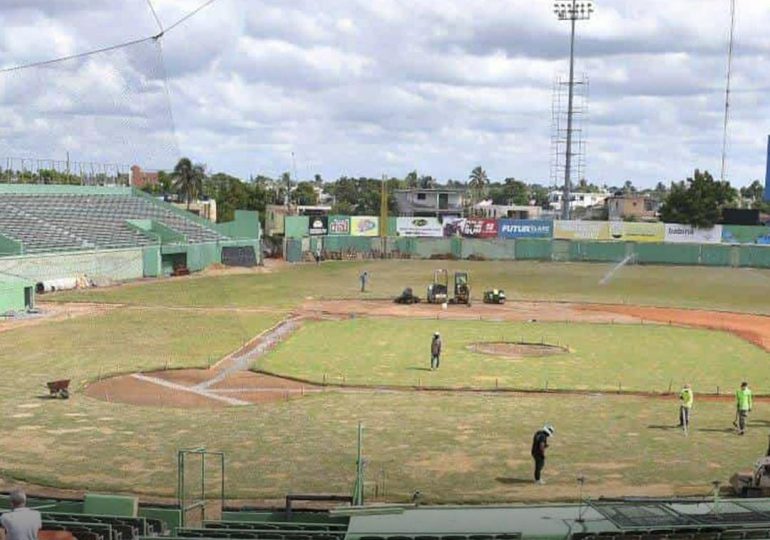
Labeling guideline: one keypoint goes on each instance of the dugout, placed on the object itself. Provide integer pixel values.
(16, 294)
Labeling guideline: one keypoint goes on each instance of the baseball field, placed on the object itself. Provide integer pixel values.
(277, 367)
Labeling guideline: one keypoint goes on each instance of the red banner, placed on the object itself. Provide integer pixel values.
(471, 228)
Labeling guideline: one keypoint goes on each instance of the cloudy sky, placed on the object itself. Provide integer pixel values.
(366, 87)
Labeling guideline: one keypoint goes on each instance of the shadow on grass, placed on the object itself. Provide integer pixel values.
(513, 481)
(413, 368)
(716, 430)
(667, 427)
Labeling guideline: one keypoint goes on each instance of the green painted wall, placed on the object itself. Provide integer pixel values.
(296, 226)
(244, 226)
(12, 294)
(9, 246)
(114, 264)
(151, 262)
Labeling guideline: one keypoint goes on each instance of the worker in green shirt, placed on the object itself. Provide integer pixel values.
(685, 406)
(743, 404)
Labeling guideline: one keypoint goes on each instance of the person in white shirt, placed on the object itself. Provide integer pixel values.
(21, 523)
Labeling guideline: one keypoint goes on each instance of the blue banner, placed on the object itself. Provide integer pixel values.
(525, 228)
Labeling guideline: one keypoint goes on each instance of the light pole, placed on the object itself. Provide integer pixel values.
(572, 11)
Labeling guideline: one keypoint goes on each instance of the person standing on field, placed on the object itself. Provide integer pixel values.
(743, 404)
(364, 277)
(539, 444)
(685, 406)
(435, 351)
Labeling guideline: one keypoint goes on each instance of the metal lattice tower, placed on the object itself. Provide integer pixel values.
(561, 128)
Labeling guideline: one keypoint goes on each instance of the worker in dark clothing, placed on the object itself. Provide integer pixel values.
(364, 278)
(435, 351)
(539, 444)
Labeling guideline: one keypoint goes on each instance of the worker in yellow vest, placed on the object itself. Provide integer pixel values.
(743, 403)
(685, 406)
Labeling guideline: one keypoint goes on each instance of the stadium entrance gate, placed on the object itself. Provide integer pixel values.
(200, 494)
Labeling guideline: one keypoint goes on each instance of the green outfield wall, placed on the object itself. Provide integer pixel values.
(356, 247)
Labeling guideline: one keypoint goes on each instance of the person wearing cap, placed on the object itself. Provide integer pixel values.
(685, 406)
(743, 402)
(435, 351)
(539, 444)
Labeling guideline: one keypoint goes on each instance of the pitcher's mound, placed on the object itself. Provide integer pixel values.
(513, 350)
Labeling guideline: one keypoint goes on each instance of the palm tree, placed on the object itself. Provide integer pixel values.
(188, 180)
(478, 182)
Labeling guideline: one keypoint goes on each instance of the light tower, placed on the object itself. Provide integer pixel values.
(573, 11)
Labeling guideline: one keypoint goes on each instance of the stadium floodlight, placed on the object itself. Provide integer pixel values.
(571, 10)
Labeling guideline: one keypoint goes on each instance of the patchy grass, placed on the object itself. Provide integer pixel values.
(698, 287)
(602, 356)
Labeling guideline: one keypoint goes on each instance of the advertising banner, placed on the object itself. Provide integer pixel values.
(319, 225)
(745, 234)
(688, 234)
(419, 226)
(364, 226)
(637, 232)
(470, 227)
(525, 228)
(581, 230)
(339, 225)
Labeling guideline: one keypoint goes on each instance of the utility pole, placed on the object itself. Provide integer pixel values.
(723, 170)
(572, 11)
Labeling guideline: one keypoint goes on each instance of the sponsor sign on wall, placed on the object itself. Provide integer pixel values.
(679, 234)
(581, 230)
(339, 225)
(525, 228)
(745, 234)
(470, 227)
(637, 232)
(318, 225)
(419, 226)
(364, 226)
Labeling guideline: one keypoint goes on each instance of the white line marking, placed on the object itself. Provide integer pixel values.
(182, 388)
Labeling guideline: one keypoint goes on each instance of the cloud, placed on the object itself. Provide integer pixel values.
(355, 87)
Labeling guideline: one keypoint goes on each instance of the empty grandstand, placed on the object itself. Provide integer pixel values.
(57, 231)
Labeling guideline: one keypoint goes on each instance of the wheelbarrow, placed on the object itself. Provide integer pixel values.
(59, 389)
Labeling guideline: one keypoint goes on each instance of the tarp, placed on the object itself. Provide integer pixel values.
(470, 227)
(581, 230)
(637, 232)
(339, 225)
(688, 234)
(419, 226)
(525, 228)
(319, 225)
(364, 226)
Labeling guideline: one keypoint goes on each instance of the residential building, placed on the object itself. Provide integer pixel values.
(140, 178)
(632, 207)
(430, 202)
(206, 209)
(486, 209)
(275, 214)
(578, 199)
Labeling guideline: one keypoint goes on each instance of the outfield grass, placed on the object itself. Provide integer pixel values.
(736, 289)
(603, 356)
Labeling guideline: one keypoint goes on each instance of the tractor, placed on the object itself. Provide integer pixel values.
(494, 296)
(438, 291)
(462, 289)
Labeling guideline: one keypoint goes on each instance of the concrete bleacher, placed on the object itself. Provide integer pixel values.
(59, 222)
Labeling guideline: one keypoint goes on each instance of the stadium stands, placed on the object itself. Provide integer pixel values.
(56, 222)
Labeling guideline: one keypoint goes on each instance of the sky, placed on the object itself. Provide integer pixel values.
(372, 87)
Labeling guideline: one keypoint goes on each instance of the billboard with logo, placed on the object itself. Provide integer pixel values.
(318, 225)
(581, 230)
(637, 232)
(339, 225)
(470, 227)
(419, 226)
(364, 226)
(687, 234)
(525, 228)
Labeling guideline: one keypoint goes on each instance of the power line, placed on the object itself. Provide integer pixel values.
(112, 47)
(155, 15)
